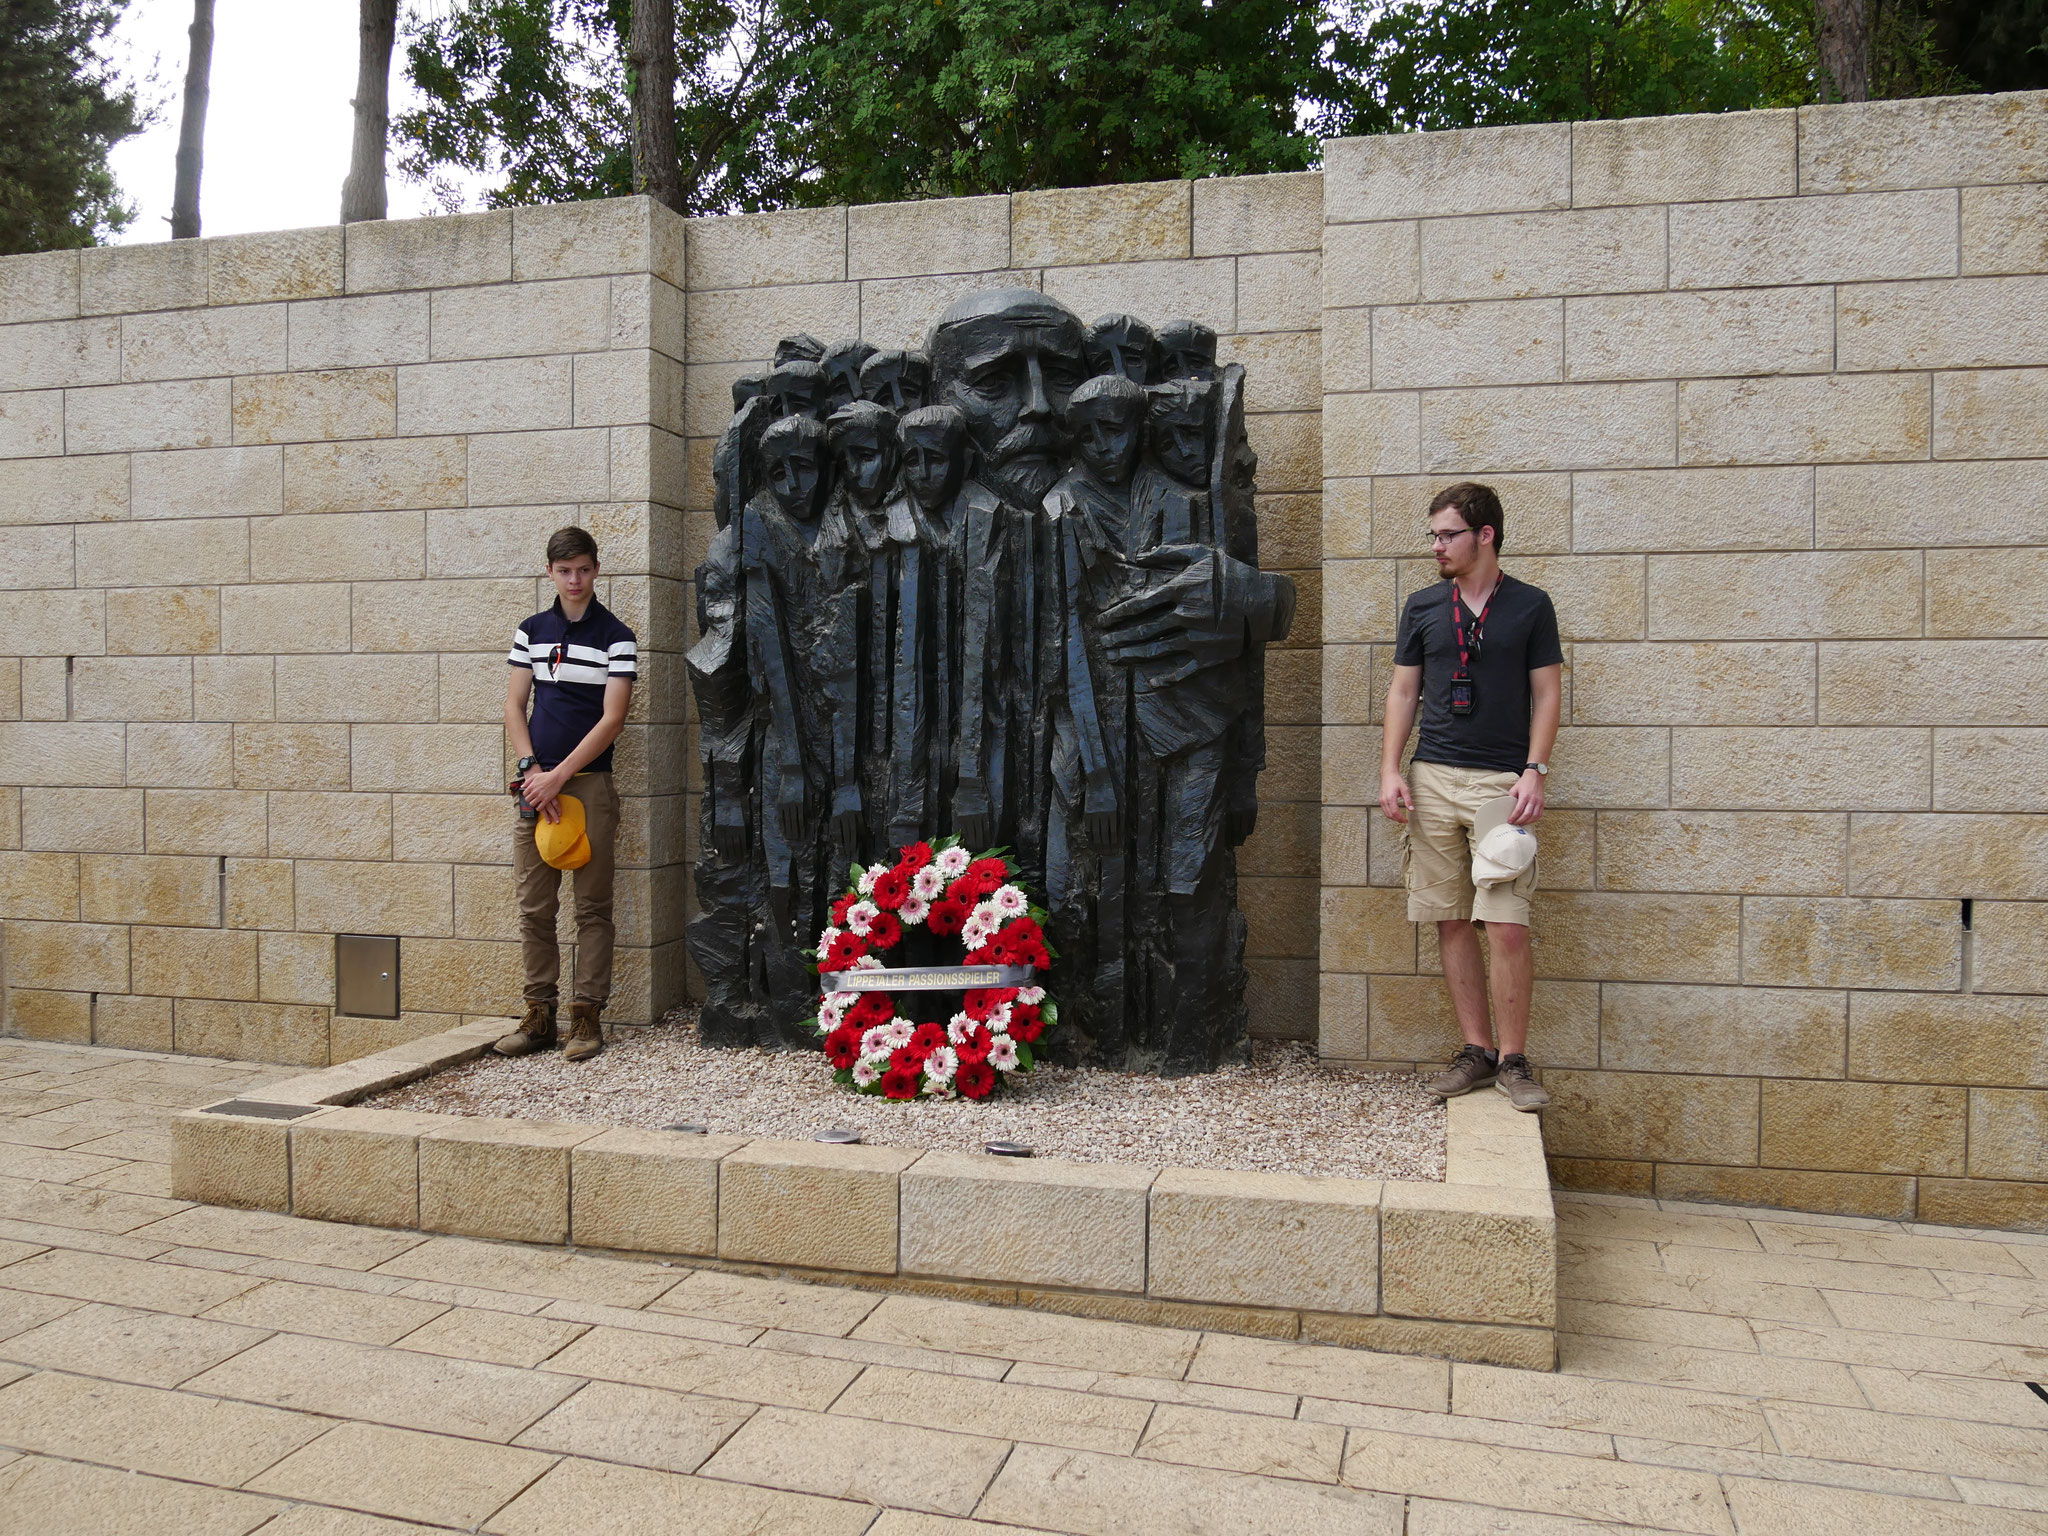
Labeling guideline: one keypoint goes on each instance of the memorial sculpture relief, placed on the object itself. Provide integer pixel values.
(1006, 588)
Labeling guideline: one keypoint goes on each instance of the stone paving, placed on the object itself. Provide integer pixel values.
(171, 1367)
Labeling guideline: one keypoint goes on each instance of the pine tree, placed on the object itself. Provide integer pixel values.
(64, 109)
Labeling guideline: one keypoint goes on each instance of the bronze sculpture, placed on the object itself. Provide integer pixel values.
(1009, 590)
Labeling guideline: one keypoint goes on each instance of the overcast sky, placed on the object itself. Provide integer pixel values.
(277, 124)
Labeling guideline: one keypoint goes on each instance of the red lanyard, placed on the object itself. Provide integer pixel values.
(1479, 625)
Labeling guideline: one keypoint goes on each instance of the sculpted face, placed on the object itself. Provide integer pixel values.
(867, 463)
(1106, 438)
(842, 363)
(796, 474)
(1008, 359)
(900, 380)
(796, 389)
(1180, 435)
(932, 463)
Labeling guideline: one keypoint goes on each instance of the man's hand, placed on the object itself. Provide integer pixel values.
(1395, 798)
(542, 789)
(1528, 793)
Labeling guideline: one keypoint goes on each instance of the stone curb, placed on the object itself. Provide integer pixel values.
(1465, 1269)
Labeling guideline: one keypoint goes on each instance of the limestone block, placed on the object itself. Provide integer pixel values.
(1041, 1222)
(79, 820)
(1852, 943)
(115, 418)
(202, 343)
(1865, 595)
(1249, 215)
(32, 423)
(914, 239)
(728, 325)
(158, 275)
(153, 621)
(1527, 255)
(2005, 229)
(1598, 597)
(359, 1165)
(327, 688)
(1983, 1203)
(1361, 600)
(803, 245)
(1725, 1031)
(335, 896)
(1130, 221)
(583, 239)
(131, 688)
(1488, 170)
(304, 616)
(1813, 240)
(1691, 509)
(647, 1191)
(1409, 1018)
(503, 394)
(259, 893)
(320, 824)
(811, 1204)
(84, 957)
(132, 1023)
(1205, 291)
(2010, 953)
(1864, 1127)
(67, 490)
(1371, 434)
(61, 354)
(1496, 342)
(1991, 413)
(1934, 142)
(521, 319)
(317, 406)
(291, 756)
(1737, 851)
(1667, 1117)
(206, 821)
(1548, 426)
(1265, 1239)
(1996, 1042)
(1694, 335)
(295, 968)
(1283, 372)
(427, 757)
(57, 622)
(1880, 1197)
(1468, 1254)
(461, 829)
(164, 554)
(465, 975)
(234, 1160)
(1958, 602)
(1990, 771)
(507, 1179)
(129, 888)
(1725, 683)
(1371, 264)
(523, 468)
(1290, 449)
(336, 546)
(286, 264)
(2008, 1131)
(1947, 682)
(1798, 420)
(1347, 343)
(1959, 323)
(351, 1038)
(40, 886)
(1366, 929)
(618, 388)
(366, 476)
(193, 962)
(1530, 1349)
(439, 615)
(64, 1017)
(38, 286)
(1281, 292)
(1899, 854)
(1800, 768)
(1625, 936)
(1685, 159)
(473, 688)
(439, 252)
(209, 482)
(359, 333)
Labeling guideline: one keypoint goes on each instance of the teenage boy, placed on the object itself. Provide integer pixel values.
(576, 663)
(1479, 651)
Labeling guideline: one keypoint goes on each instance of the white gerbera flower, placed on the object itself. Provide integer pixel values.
(999, 1018)
(1008, 900)
(898, 1032)
(952, 861)
(825, 938)
(942, 1064)
(938, 1090)
(830, 1016)
(866, 963)
(956, 1030)
(842, 1000)
(860, 917)
(914, 911)
(1003, 1054)
(1032, 995)
(872, 1042)
(865, 1072)
(979, 928)
(926, 884)
(866, 883)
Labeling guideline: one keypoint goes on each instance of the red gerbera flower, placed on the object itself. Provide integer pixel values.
(969, 889)
(900, 1084)
(975, 1044)
(840, 954)
(984, 1001)
(915, 857)
(981, 956)
(839, 908)
(927, 1038)
(892, 886)
(906, 1058)
(976, 1079)
(842, 1046)
(994, 870)
(947, 916)
(1026, 1031)
(885, 932)
(1024, 1013)
(873, 1008)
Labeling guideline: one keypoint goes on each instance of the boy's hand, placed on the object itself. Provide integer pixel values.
(543, 790)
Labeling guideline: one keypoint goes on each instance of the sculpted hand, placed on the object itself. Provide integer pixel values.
(729, 831)
(1104, 821)
(1176, 626)
(1240, 824)
(846, 817)
(791, 814)
(971, 816)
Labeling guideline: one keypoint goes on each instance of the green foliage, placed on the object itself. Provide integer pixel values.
(2002, 45)
(64, 109)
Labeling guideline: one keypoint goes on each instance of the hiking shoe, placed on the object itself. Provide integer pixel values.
(586, 1034)
(536, 1032)
(1521, 1087)
(1469, 1069)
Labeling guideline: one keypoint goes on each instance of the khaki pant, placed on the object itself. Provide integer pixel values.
(1438, 863)
(539, 887)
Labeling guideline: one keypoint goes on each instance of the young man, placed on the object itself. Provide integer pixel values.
(576, 662)
(1480, 652)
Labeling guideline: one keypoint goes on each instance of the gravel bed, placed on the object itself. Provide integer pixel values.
(1284, 1112)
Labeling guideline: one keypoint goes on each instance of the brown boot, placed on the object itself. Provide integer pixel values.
(536, 1032)
(586, 1034)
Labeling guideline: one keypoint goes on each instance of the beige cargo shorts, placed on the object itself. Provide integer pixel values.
(1436, 864)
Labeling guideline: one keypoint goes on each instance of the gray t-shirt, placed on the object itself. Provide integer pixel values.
(1519, 636)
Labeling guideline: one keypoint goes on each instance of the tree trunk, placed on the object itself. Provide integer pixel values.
(362, 194)
(192, 131)
(1845, 48)
(651, 54)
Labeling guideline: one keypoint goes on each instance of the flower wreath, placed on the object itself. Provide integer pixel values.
(876, 1050)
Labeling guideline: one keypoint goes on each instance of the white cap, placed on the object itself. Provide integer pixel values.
(1500, 850)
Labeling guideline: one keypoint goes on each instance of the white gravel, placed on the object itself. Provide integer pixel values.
(1284, 1112)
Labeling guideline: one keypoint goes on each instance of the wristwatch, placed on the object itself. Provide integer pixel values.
(525, 763)
(1542, 768)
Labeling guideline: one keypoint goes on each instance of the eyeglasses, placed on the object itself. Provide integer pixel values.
(1452, 537)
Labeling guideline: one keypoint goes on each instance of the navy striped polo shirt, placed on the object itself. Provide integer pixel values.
(571, 663)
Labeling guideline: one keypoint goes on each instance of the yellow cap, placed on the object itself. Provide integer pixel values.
(563, 843)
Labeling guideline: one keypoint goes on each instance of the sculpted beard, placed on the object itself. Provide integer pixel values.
(1028, 456)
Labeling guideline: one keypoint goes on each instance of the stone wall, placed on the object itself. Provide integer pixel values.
(1766, 396)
